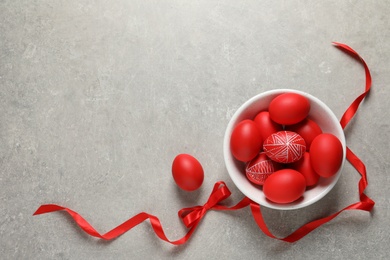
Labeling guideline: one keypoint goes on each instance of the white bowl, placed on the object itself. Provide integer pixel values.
(319, 112)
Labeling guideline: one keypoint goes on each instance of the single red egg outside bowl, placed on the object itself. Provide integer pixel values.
(319, 112)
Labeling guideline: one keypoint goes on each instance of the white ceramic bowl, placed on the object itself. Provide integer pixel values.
(319, 112)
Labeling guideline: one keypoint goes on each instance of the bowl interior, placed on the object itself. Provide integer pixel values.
(319, 112)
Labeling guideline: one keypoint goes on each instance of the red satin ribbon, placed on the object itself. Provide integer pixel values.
(352, 109)
(193, 215)
(190, 216)
(365, 202)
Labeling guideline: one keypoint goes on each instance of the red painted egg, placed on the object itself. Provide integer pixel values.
(289, 108)
(304, 167)
(187, 172)
(266, 125)
(284, 147)
(308, 129)
(326, 155)
(284, 186)
(245, 142)
(258, 170)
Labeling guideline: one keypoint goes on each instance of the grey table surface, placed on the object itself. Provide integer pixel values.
(98, 97)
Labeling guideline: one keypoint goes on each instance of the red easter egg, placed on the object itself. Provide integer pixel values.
(284, 186)
(308, 129)
(326, 155)
(289, 108)
(258, 170)
(284, 147)
(266, 125)
(245, 142)
(187, 172)
(304, 167)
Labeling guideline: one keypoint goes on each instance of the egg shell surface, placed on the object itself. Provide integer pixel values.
(284, 186)
(304, 167)
(289, 108)
(308, 129)
(326, 155)
(187, 172)
(258, 170)
(245, 141)
(284, 147)
(266, 125)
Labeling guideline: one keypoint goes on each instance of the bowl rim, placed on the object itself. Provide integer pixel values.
(230, 161)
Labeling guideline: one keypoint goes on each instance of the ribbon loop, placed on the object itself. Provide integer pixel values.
(192, 215)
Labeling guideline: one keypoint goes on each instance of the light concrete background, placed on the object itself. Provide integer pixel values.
(98, 97)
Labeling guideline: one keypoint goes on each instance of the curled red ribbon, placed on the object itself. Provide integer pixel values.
(193, 215)
(190, 216)
(365, 202)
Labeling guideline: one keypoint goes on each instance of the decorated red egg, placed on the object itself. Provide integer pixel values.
(284, 186)
(289, 108)
(266, 125)
(284, 147)
(258, 170)
(245, 142)
(304, 167)
(308, 129)
(187, 172)
(326, 155)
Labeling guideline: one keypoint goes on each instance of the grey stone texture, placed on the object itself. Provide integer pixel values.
(98, 97)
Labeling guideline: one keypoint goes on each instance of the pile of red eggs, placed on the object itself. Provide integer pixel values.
(284, 150)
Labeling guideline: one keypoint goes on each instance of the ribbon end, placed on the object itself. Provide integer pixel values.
(339, 45)
(47, 208)
(39, 211)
